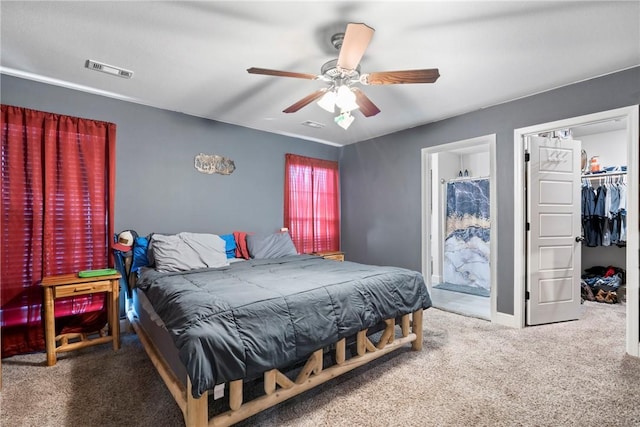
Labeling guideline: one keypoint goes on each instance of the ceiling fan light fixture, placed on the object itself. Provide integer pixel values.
(344, 120)
(328, 101)
(344, 72)
(346, 99)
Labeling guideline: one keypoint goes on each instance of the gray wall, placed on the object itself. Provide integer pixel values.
(380, 178)
(157, 187)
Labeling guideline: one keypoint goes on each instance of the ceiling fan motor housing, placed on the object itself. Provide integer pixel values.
(332, 72)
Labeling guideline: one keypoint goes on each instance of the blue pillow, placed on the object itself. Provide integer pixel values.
(140, 245)
(229, 245)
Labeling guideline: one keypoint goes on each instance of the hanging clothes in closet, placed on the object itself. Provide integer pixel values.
(604, 215)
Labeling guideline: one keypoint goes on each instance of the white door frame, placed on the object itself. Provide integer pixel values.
(489, 140)
(631, 118)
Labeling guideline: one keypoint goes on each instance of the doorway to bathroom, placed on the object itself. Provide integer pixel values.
(459, 226)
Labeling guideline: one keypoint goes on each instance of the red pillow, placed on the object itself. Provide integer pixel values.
(241, 244)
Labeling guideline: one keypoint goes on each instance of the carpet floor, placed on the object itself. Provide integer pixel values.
(470, 373)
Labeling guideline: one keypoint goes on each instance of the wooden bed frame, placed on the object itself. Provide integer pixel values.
(277, 386)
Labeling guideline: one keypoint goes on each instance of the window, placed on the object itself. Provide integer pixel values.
(56, 218)
(312, 203)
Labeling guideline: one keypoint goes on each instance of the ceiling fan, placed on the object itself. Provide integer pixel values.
(344, 72)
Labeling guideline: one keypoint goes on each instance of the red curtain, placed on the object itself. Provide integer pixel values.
(312, 203)
(58, 177)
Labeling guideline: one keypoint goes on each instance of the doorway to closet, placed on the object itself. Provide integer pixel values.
(459, 227)
(547, 277)
(604, 176)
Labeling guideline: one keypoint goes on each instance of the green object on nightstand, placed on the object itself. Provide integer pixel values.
(100, 272)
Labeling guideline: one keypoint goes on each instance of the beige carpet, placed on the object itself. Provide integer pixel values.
(470, 373)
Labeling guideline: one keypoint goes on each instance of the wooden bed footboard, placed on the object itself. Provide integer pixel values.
(277, 386)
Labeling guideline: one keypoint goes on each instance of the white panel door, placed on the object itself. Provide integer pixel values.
(554, 215)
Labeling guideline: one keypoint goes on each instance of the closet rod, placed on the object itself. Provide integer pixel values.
(464, 178)
(603, 175)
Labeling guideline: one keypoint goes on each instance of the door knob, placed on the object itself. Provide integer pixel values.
(579, 239)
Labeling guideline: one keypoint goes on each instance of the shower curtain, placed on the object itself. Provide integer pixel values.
(466, 249)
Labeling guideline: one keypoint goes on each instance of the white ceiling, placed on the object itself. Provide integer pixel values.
(192, 57)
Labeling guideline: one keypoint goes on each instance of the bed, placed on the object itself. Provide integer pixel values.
(215, 329)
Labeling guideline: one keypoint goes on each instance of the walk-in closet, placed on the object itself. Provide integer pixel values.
(603, 202)
(604, 210)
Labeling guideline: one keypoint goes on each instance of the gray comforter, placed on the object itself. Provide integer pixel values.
(239, 321)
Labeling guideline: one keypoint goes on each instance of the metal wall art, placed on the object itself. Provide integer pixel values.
(212, 163)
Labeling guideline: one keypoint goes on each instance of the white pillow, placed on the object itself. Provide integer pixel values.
(188, 251)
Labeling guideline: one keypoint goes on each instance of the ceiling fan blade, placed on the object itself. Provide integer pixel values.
(305, 101)
(356, 40)
(367, 108)
(278, 73)
(402, 77)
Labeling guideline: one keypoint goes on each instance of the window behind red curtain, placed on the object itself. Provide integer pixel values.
(57, 217)
(312, 203)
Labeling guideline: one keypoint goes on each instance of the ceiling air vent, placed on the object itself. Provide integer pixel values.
(109, 69)
(313, 124)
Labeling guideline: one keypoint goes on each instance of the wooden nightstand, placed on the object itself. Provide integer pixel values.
(334, 255)
(71, 285)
